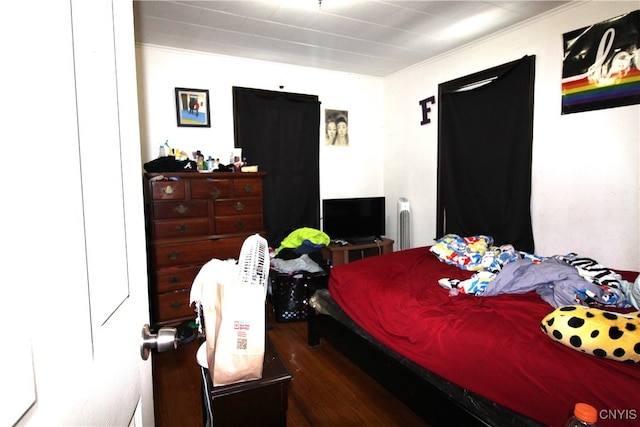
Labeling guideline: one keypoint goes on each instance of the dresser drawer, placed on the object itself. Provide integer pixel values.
(163, 229)
(168, 190)
(191, 219)
(183, 209)
(174, 305)
(174, 279)
(247, 187)
(210, 189)
(197, 252)
(247, 205)
(238, 223)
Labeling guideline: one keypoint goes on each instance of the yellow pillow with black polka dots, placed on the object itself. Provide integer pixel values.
(595, 331)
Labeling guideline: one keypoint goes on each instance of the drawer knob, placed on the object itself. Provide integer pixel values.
(168, 190)
(181, 209)
(176, 305)
(239, 206)
(182, 228)
(248, 188)
(215, 193)
(239, 225)
(174, 280)
(173, 255)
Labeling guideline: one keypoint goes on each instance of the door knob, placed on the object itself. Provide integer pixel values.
(166, 339)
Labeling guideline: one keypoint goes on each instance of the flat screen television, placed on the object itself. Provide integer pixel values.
(355, 220)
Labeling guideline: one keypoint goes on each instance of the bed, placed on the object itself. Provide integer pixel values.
(464, 360)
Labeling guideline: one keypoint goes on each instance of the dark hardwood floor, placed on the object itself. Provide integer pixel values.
(326, 389)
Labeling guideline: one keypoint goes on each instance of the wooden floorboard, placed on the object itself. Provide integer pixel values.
(326, 389)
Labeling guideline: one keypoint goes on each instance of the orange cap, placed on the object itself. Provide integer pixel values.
(585, 412)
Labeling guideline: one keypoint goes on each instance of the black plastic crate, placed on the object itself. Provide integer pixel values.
(291, 292)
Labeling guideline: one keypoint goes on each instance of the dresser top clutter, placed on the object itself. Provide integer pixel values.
(192, 217)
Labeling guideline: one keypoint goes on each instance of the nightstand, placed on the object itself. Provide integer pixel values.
(260, 402)
(339, 254)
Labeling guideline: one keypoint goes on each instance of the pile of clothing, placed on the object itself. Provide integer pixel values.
(559, 280)
(301, 251)
(476, 253)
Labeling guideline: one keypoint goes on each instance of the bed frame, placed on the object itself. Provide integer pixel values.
(436, 400)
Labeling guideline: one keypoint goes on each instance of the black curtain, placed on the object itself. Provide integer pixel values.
(280, 132)
(484, 154)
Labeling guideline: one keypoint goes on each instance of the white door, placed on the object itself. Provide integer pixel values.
(73, 242)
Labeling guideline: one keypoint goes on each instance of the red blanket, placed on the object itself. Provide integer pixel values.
(492, 346)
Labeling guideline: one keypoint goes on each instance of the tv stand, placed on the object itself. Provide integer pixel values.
(363, 240)
(339, 255)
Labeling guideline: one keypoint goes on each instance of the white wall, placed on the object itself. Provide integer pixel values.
(586, 177)
(344, 171)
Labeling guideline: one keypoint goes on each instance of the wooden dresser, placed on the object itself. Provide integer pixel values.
(191, 218)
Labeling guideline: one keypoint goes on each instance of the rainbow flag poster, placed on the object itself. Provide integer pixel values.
(601, 66)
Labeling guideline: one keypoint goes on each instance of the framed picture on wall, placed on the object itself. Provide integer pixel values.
(336, 127)
(601, 66)
(192, 107)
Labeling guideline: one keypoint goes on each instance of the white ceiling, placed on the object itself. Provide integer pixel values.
(373, 37)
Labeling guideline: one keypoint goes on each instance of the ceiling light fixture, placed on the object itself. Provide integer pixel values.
(323, 5)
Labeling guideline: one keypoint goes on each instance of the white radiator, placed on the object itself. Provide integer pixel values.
(404, 224)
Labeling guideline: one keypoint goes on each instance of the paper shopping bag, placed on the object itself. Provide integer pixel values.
(236, 353)
(231, 299)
